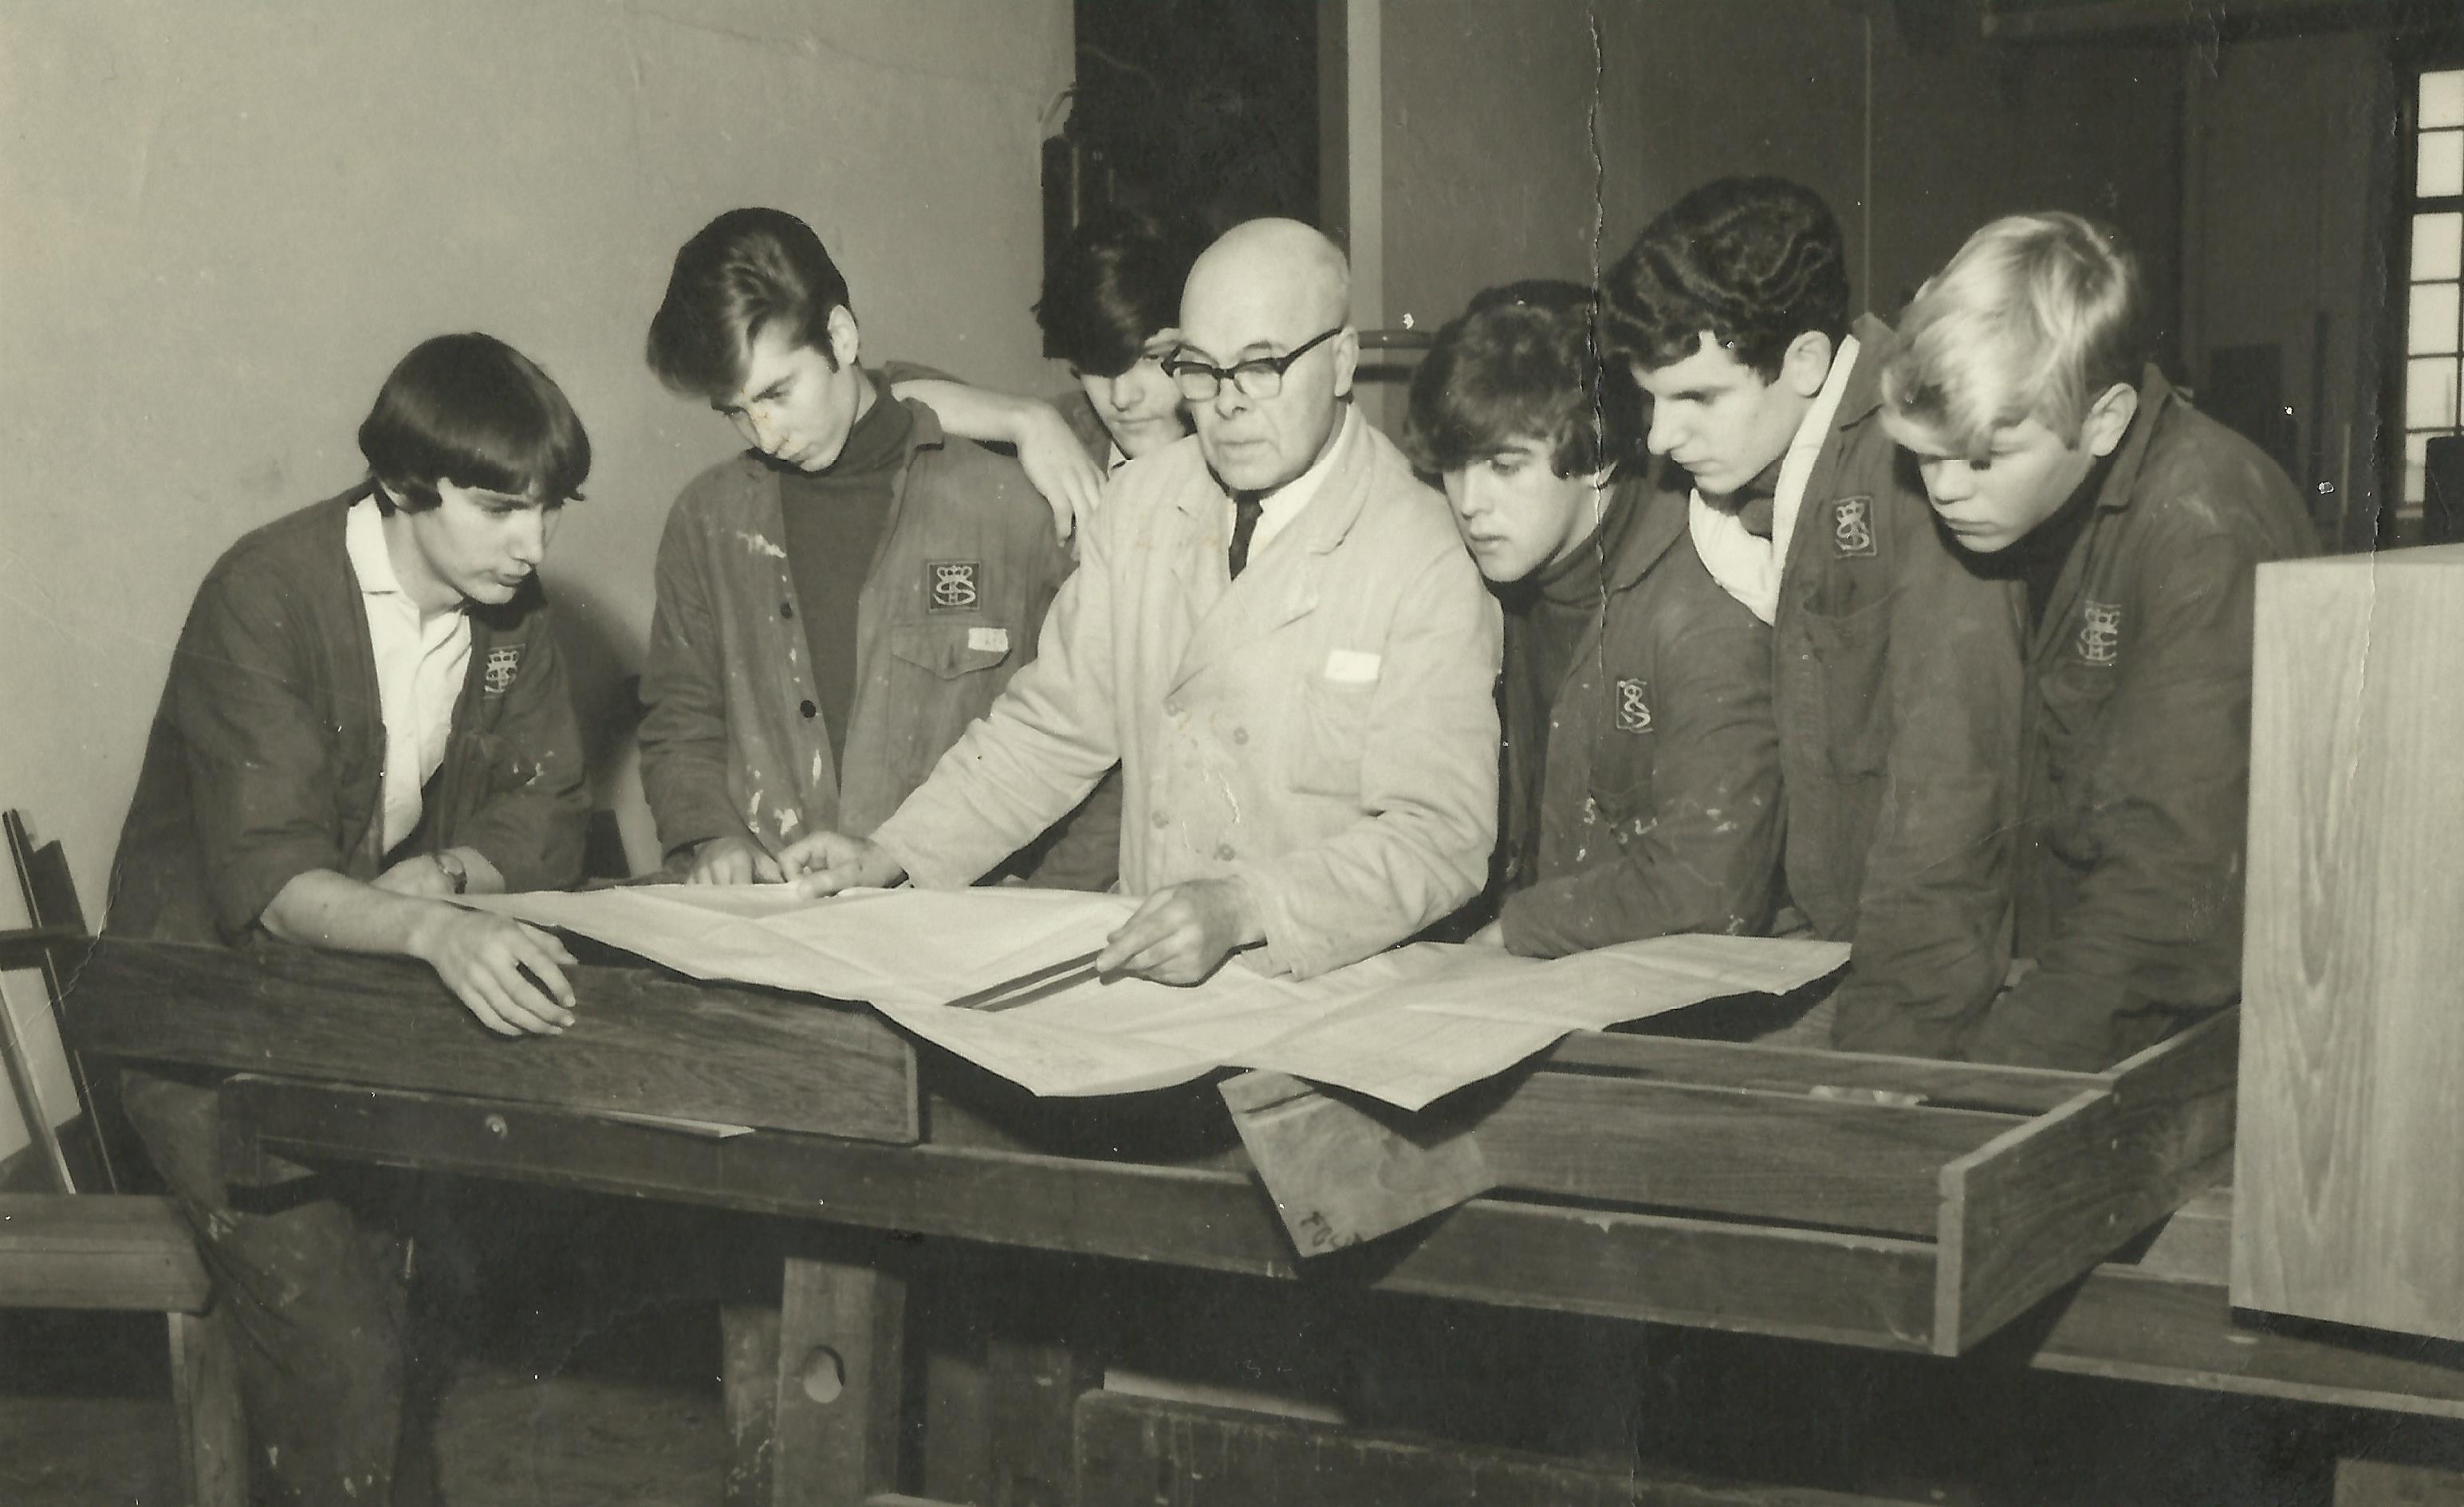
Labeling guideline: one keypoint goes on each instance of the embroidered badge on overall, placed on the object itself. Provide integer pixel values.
(2100, 634)
(1634, 706)
(1852, 527)
(504, 663)
(951, 585)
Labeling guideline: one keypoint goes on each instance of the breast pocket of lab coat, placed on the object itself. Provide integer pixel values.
(1331, 726)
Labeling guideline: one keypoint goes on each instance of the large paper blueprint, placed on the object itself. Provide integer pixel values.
(1405, 1026)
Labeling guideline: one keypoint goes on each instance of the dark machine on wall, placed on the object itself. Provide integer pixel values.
(1206, 109)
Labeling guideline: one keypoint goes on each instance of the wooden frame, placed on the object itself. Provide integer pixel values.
(1904, 1203)
(1872, 1290)
(2022, 1179)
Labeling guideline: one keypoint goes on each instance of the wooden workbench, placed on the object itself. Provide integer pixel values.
(884, 1145)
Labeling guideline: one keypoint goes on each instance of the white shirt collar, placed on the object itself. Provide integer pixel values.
(421, 660)
(1748, 567)
(1281, 506)
(363, 540)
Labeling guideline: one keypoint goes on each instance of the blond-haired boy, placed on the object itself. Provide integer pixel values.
(2130, 525)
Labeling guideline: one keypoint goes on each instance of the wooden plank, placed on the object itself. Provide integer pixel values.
(2350, 1167)
(748, 1373)
(205, 1399)
(1786, 1157)
(27, 947)
(2155, 20)
(1033, 1387)
(645, 1042)
(840, 1374)
(2032, 1209)
(1786, 1069)
(2125, 1325)
(1135, 1451)
(97, 1251)
(1851, 1289)
(1339, 1172)
(2363, 1482)
(2196, 1241)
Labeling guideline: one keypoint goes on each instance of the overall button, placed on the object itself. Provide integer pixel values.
(1239, 734)
(1162, 820)
(1224, 852)
(786, 609)
(809, 709)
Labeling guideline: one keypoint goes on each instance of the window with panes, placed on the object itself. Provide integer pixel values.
(2433, 367)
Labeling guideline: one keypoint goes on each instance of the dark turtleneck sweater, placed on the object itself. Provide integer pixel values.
(1560, 606)
(834, 522)
(1756, 502)
(2037, 560)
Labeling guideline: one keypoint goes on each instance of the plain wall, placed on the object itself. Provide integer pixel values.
(1491, 175)
(2280, 164)
(225, 222)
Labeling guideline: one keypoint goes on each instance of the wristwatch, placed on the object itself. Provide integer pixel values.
(455, 873)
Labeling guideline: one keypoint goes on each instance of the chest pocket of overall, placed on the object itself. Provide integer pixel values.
(1622, 749)
(2073, 699)
(948, 650)
(1329, 732)
(1847, 683)
(480, 747)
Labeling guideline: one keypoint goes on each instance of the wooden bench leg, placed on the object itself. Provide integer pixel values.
(840, 1374)
(204, 1393)
(957, 1437)
(1032, 1393)
(749, 1383)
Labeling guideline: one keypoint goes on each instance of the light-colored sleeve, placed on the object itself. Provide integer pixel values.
(1428, 789)
(1031, 759)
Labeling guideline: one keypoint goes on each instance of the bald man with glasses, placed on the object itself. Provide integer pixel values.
(1275, 631)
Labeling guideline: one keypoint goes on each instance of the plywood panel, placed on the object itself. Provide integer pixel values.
(2350, 1162)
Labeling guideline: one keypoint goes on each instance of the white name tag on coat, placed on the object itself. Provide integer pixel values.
(1352, 667)
(994, 641)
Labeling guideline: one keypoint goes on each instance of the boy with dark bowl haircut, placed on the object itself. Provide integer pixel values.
(365, 716)
(1641, 787)
(1895, 667)
(2133, 525)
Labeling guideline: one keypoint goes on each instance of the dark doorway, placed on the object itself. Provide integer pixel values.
(1204, 108)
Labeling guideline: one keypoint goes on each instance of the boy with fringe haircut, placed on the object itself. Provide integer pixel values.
(1640, 795)
(365, 716)
(2131, 526)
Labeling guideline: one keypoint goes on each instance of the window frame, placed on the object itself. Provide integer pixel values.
(2400, 515)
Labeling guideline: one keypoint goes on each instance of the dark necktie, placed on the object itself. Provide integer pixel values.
(1245, 511)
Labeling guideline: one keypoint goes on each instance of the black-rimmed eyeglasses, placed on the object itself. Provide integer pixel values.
(1260, 378)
